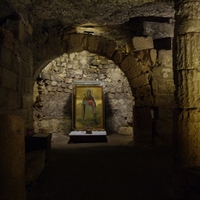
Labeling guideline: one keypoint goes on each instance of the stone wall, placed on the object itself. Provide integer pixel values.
(164, 88)
(146, 61)
(16, 69)
(53, 92)
(154, 112)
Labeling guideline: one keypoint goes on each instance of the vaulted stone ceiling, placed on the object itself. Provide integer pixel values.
(113, 17)
(68, 12)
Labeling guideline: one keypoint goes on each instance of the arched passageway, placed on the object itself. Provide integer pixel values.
(53, 92)
(142, 69)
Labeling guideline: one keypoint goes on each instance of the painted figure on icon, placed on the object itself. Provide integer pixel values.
(89, 107)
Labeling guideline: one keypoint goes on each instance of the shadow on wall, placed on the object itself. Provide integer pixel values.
(67, 111)
(108, 115)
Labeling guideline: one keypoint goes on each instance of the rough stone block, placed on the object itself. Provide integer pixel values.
(26, 99)
(65, 126)
(30, 29)
(104, 46)
(188, 134)
(188, 98)
(142, 91)
(13, 100)
(53, 126)
(25, 85)
(165, 113)
(143, 116)
(9, 79)
(47, 51)
(15, 66)
(165, 100)
(43, 53)
(190, 115)
(93, 43)
(166, 87)
(158, 30)
(65, 37)
(142, 55)
(138, 69)
(112, 47)
(144, 101)
(189, 26)
(188, 55)
(118, 57)
(1, 69)
(139, 81)
(7, 38)
(141, 43)
(165, 58)
(25, 114)
(76, 42)
(125, 131)
(4, 97)
(25, 53)
(6, 57)
(162, 86)
(162, 73)
(22, 31)
(134, 71)
(39, 57)
(128, 62)
(146, 56)
(26, 68)
(153, 56)
(55, 45)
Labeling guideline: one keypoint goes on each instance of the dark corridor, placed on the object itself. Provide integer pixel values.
(104, 171)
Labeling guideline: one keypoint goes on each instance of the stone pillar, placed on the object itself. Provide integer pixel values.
(143, 126)
(187, 81)
(12, 158)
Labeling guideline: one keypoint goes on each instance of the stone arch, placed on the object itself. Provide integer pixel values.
(136, 64)
(53, 93)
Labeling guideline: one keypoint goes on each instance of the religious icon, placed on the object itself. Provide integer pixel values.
(88, 108)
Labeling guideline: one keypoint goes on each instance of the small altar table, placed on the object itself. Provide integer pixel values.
(38, 141)
(82, 136)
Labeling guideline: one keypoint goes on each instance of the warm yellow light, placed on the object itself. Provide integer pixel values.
(90, 28)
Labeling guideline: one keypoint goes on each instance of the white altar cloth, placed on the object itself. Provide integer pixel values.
(83, 133)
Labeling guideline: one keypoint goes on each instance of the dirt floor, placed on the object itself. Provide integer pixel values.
(113, 170)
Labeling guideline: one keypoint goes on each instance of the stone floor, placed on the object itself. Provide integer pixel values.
(114, 170)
